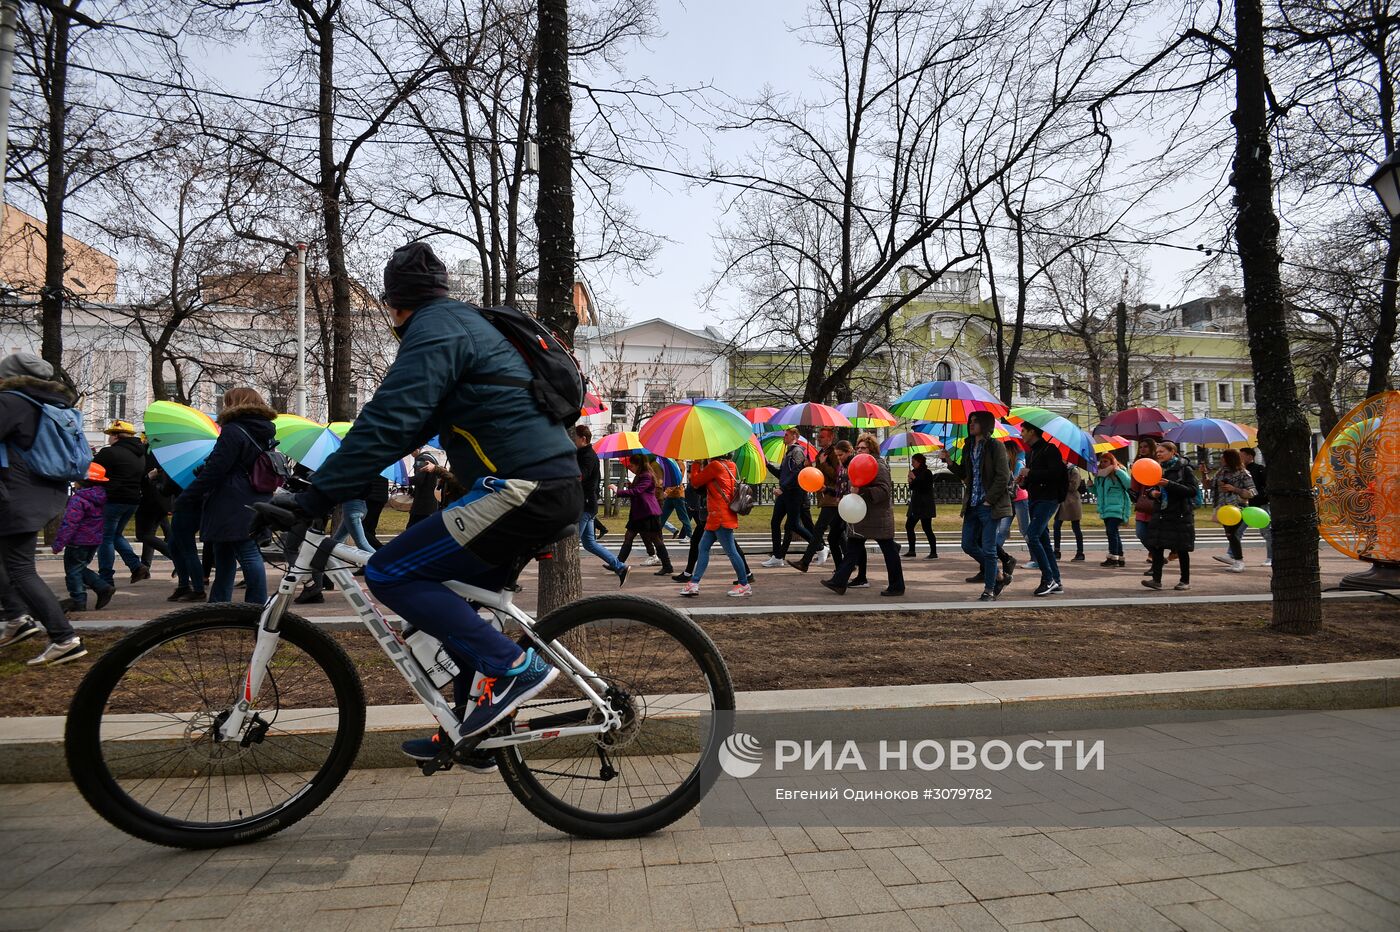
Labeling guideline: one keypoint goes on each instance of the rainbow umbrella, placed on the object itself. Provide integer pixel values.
(1136, 423)
(399, 471)
(671, 472)
(1358, 434)
(695, 429)
(1074, 444)
(949, 402)
(622, 443)
(772, 445)
(1209, 432)
(760, 415)
(810, 414)
(864, 414)
(340, 428)
(910, 442)
(180, 437)
(749, 458)
(1109, 444)
(306, 441)
(592, 404)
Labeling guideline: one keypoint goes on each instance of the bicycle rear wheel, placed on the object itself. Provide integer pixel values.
(140, 734)
(669, 683)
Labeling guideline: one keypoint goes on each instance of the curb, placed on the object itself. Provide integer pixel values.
(31, 749)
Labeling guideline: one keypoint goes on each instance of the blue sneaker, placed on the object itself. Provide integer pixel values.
(502, 694)
(428, 748)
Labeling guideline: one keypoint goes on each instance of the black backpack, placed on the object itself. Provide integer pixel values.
(558, 384)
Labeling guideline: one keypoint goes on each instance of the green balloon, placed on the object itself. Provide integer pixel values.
(1256, 517)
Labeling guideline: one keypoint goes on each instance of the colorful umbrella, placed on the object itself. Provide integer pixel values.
(1074, 444)
(810, 414)
(910, 442)
(399, 471)
(671, 472)
(306, 441)
(949, 402)
(1357, 434)
(1209, 432)
(695, 429)
(773, 448)
(622, 443)
(592, 404)
(340, 428)
(1136, 423)
(749, 458)
(864, 414)
(180, 437)
(1109, 444)
(760, 415)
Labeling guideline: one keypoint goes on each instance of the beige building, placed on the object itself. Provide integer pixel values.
(90, 273)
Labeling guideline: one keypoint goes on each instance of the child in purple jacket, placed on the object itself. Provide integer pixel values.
(79, 536)
(644, 518)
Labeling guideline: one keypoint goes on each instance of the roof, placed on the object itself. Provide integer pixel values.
(710, 334)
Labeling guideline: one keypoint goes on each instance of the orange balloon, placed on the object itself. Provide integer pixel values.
(1147, 472)
(811, 479)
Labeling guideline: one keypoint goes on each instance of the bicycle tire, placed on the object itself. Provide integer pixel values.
(544, 805)
(83, 735)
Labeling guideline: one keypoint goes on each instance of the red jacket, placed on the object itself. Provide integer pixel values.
(717, 479)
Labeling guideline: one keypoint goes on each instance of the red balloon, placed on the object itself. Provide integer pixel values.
(862, 469)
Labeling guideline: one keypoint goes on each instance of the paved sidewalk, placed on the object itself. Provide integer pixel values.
(394, 850)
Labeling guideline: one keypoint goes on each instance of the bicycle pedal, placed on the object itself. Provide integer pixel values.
(430, 767)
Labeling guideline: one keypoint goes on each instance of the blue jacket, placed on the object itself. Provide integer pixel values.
(486, 430)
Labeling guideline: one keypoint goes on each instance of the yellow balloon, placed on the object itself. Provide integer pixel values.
(1228, 515)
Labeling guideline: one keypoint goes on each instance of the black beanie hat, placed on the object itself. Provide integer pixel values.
(413, 277)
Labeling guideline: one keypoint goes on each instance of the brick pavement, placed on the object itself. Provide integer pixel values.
(395, 850)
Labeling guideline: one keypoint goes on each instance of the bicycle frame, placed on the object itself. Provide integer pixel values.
(344, 559)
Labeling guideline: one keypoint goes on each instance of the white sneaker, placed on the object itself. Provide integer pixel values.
(823, 556)
(691, 589)
(772, 562)
(1236, 567)
(1224, 558)
(652, 560)
(1267, 563)
(59, 652)
(740, 592)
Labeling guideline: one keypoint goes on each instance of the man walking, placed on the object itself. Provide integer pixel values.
(829, 523)
(790, 504)
(1260, 474)
(591, 475)
(124, 458)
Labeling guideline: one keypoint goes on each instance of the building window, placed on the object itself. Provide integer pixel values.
(1247, 393)
(1149, 391)
(277, 400)
(116, 401)
(1225, 392)
(943, 372)
(1024, 386)
(1198, 391)
(219, 389)
(619, 407)
(354, 401)
(1059, 387)
(171, 389)
(1173, 391)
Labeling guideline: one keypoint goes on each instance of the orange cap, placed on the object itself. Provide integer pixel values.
(96, 472)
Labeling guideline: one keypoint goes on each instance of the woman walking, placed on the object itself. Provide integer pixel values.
(1048, 484)
(1071, 510)
(1173, 524)
(1143, 506)
(877, 525)
(922, 508)
(1233, 485)
(225, 488)
(1115, 504)
(718, 477)
(644, 515)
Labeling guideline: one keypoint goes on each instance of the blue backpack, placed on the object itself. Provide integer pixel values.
(60, 452)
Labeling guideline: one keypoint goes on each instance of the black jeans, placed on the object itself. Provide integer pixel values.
(371, 522)
(829, 523)
(17, 554)
(1234, 538)
(913, 521)
(148, 521)
(855, 560)
(1078, 536)
(1159, 560)
(792, 517)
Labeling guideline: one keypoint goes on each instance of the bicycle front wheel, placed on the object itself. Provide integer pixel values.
(668, 682)
(141, 727)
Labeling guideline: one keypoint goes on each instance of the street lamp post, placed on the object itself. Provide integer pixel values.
(301, 330)
(1385, 181)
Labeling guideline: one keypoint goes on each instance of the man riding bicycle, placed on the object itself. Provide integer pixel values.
(518, 463)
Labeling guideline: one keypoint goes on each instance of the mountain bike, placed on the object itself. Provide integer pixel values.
(222, 724)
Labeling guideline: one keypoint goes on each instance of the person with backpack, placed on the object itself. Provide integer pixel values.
(1173, 523)
(42, 449)
(501, 391)
(124, 458)
(226, 486)
(1115, 503)
(78, 538)
(720, 479)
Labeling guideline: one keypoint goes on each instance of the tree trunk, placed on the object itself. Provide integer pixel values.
(1283, 429)
(51, 299)
(560, 579)
(1383, 342)
(1120, 348)
(341, 375)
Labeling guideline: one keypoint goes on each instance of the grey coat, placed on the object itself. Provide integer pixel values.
(878, 523)
(27, 502)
